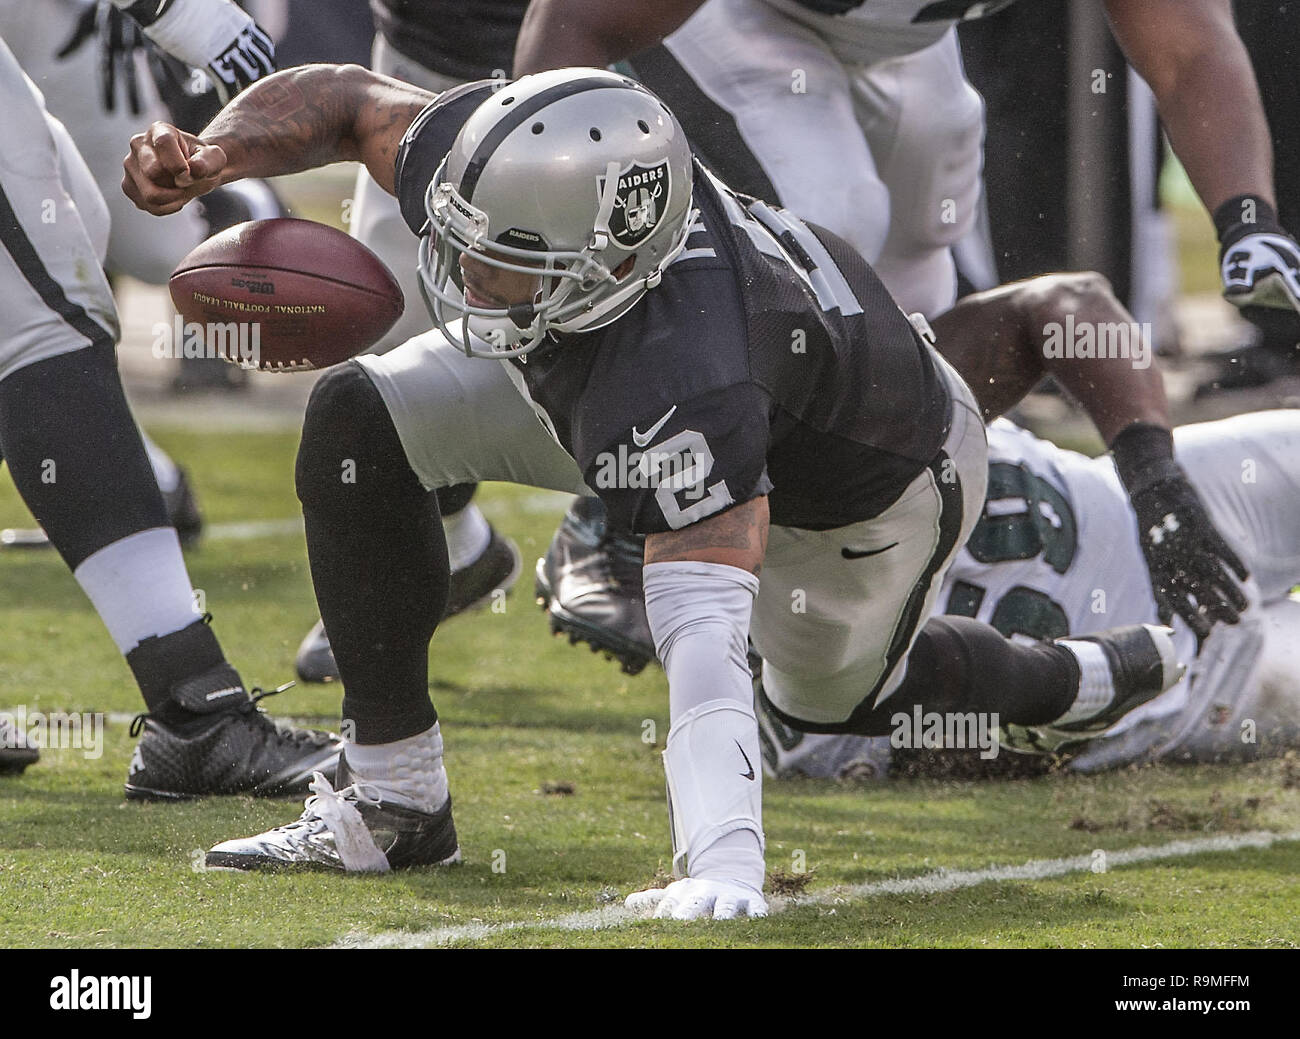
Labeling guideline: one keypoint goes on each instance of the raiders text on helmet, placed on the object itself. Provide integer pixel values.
(564, 176)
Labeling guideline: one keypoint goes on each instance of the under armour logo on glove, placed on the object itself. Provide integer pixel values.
(1186, 556)
(247, 59)
(1262, 270)
(1168, 525)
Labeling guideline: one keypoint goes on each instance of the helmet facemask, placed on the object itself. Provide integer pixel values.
(578, 289)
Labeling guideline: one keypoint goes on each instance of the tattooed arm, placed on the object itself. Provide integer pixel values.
(737, 537)
(295, 120)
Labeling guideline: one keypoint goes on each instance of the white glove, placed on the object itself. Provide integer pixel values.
(1262, 270)
(691, 898)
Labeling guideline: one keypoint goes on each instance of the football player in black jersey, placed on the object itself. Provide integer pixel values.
(1187, 50)
(733, 383)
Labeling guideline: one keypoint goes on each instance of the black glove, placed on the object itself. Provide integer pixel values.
(120, 39)
(1187, 557)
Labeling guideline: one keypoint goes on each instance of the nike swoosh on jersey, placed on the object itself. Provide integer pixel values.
(745, 775)
(642, 439)
(852, 553)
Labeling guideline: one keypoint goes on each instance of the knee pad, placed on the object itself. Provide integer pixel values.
(350, 451)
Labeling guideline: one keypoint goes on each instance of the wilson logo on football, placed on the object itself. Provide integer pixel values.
(636, 206)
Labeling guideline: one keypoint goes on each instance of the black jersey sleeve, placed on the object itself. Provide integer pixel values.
(684, 462)
(428, 141)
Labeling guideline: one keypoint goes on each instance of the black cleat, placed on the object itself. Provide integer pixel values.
(1143, 663)
(346, 830)
(495, 570)
(183, 512)
(589, 583)
(230, 746)
(15, 753)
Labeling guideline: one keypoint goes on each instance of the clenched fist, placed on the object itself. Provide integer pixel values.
(168, 167)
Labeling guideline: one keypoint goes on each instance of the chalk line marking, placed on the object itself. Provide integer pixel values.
(935, 882)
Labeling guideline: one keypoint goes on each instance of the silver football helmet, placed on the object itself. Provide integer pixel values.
(563, 176)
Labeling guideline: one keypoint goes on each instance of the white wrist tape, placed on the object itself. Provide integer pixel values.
(715, 782)
(198, 31)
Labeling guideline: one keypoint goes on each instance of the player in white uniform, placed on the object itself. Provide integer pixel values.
(77, 460)
(1057, 553)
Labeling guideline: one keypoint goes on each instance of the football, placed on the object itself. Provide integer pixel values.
(283, 295)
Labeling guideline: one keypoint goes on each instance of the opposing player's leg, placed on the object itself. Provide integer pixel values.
(418, 418)
(90, 486)
(924, 123)
(770, 106)
(839, 622)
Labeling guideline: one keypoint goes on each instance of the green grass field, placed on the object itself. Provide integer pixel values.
(525, 715)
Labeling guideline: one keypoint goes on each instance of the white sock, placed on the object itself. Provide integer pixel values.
(165, 471)
(139, 586)
(406, 772)
(468, 535)
(1096, 685)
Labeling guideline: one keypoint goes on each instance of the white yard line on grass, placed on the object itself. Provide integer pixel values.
(936, 882)
(252, 530)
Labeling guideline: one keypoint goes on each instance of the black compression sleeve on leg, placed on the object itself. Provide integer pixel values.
(75, 453)
(958, 665)
(378, 555)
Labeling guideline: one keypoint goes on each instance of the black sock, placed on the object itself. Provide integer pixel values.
(378, 555)
(161, 662)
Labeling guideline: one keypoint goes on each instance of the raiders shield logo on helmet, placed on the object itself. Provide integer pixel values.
(642, 190)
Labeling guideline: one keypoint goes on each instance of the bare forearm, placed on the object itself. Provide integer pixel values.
(315, 115)
(295, 120)
(998, 340)
(737, 537)
(562, 33)
(1189, 53)
(1115, 391)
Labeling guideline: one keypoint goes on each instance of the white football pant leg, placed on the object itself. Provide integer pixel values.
(824, 625)
(790, 97)
(47, 238)
(143, 246)
(1247, 470)
(461, 419)
(924, 124)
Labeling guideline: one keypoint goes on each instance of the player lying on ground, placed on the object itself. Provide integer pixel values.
(1057, 552)
(733, 383)
(77, 460)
